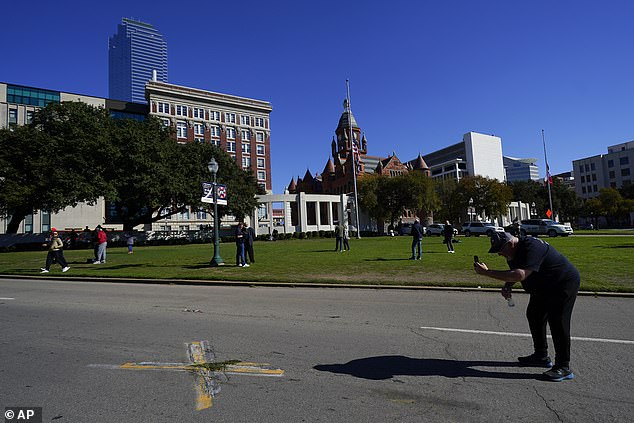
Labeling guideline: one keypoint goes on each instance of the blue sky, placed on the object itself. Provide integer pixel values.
(422, 73)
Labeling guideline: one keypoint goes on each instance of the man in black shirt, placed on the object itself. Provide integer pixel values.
(552, 282)
(417, 240)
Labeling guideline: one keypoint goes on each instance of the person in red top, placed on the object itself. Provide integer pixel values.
(102, 244)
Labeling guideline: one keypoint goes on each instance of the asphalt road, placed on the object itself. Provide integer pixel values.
(347, 355)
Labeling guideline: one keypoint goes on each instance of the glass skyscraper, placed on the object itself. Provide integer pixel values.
(134, 52)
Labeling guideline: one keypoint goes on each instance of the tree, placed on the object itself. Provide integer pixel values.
(154, 177)
(421, 195)
(55, 162)
(449, 207)
(490, 197)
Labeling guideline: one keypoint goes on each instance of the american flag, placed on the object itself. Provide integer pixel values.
(355, 155)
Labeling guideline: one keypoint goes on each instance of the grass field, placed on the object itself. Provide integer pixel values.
(606, 263)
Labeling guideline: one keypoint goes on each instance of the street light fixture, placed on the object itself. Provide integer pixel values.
(217, 260)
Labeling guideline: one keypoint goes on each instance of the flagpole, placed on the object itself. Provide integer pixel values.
(354, 162)
(548, 177)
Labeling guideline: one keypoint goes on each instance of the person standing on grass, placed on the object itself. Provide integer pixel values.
(552, 282)
(55, 252)
(346, 238)
(240, 257)
(417, 240)
(249, 236)
(102, 245)
(448, 233)
(338, 242)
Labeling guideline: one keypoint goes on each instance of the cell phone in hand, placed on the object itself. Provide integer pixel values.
(476, 259)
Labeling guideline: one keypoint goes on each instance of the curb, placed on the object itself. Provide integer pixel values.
(195, 282)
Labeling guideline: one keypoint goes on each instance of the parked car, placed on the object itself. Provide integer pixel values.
(479, 228)
(438, 229)
(548, 227)
(406, 229)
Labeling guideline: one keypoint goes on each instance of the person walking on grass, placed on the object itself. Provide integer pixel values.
(130, 242)
(552, 282)
(55, 252)
(417, 240)
(448, 233)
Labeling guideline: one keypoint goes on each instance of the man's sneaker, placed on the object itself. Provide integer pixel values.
(42, 270)
(557, 374)
(535, 360)
(66, 269)
(245, 265)
(96, 262)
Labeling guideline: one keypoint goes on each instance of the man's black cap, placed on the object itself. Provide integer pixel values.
(498, 240)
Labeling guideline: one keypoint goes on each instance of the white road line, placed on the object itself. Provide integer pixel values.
(527, 335)
(7, 299)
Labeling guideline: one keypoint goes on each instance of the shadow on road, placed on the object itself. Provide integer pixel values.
(388, 366)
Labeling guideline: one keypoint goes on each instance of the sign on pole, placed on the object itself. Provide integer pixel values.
(549, 213)
(208, 194)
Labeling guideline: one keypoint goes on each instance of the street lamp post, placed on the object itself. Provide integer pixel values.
(217, 260)
(470, 209)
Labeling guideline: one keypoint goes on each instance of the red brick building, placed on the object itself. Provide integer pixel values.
(337, 176)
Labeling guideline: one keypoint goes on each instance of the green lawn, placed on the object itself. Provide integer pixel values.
(605, 263)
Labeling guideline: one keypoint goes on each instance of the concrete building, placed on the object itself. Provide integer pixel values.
(225, 120)
(476, 154)
(520, 169)
(612, 170)
(134, 52)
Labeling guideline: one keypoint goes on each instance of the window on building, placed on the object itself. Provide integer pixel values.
(580, 168)
(13, 116)
(263, 186)
(199, 113)
(583, 190)
(245, 134)
(259, 149)
(610, 163)
(163, 107)
(611, 174)
(595, 188)
(29, 117)
(181, 110)
(216, 142)
(199, 129)
(215, 131)
(261, 175)
(613, 185)
(245, 120)
(201, 215)
(184, 215)
(259, 122)
(259, 136)
(200, 140)
(625, 172)
(166, 122)
(246, 162)
(592, 166)
(28, 224)
(594, 177)
(261, 163)
(230, 117)
(214, 115)
(231, 133)
(587, 168)
(181, 130)
(231, 147)
(583, 179)
(246, 148)
(45, 221)
(624, 160)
